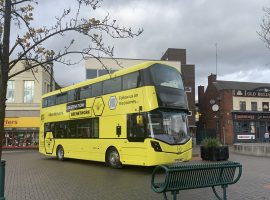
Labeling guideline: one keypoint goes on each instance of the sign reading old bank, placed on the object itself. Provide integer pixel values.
(263, 92)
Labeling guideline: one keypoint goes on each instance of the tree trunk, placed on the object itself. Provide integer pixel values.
(2, 114)
(4, 67)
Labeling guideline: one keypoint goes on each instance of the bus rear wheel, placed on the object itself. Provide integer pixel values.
(60, 153)
(113, 159)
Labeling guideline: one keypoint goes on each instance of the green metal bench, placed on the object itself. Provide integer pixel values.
(184, 176)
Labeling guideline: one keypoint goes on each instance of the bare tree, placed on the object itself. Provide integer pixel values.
(264, 33)
(30, 43)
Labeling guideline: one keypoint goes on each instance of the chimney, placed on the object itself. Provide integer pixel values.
(200, 94)
(212, 78)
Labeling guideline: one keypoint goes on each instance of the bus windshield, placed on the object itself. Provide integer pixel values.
(170, 127)
(166, 76)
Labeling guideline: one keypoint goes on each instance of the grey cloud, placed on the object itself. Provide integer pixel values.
(195, 25)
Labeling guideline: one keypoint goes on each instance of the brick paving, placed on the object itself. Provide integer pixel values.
(32, 176)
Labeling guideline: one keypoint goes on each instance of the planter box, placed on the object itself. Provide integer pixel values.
(215, 153)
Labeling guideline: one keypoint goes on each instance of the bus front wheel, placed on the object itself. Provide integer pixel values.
(113, 159)
(60, 153)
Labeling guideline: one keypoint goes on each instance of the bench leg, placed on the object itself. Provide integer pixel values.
(165, 196)
(224, 187)
(174, 194)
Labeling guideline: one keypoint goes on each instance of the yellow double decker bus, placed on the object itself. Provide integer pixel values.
(135, 116)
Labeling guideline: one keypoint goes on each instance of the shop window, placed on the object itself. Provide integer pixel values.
(265, 106)
(242, 105)
(252, 127)
(254, 106)
(244, 127)
(28, 91)
(10, 91)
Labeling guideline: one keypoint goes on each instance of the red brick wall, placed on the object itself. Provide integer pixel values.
(220, 121)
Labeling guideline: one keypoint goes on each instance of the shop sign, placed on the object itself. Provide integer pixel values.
(243, 116)
(263, 116)
(246, 137)
(251, 116)
(22, 122)
(263, 92)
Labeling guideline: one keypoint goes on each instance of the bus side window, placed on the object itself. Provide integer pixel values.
(45, 102)
(131, 80)
(97, 89)
(85, 92)
(112, 85)
(95, 127)
(72, 130)
(47, 127)
(61, 98)
(71, 95)
(51, 100)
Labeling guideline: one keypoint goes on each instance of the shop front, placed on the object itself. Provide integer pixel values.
(21, 132)
(250, 126)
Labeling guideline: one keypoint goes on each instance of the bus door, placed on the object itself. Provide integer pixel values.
(49, 142)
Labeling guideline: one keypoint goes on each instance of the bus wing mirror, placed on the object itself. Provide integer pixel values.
(139, 120)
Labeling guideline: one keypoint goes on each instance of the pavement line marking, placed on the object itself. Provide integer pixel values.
(267, 186)
(11, 151)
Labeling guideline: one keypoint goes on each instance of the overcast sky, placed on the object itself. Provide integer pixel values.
(195, 25)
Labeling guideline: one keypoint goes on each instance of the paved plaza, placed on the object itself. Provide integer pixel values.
(32, 176)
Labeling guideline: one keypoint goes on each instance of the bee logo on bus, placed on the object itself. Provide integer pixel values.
(98, 106)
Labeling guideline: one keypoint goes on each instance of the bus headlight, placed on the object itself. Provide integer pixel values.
(156, 146)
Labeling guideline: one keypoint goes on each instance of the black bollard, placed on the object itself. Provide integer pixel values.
(2, 180)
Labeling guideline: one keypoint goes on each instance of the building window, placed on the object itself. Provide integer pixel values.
(242, 105)
(265, 106)
(254, 106)
(28, 92)
(93, 73)
(10, 91)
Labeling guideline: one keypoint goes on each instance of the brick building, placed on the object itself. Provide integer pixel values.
(233, 111)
